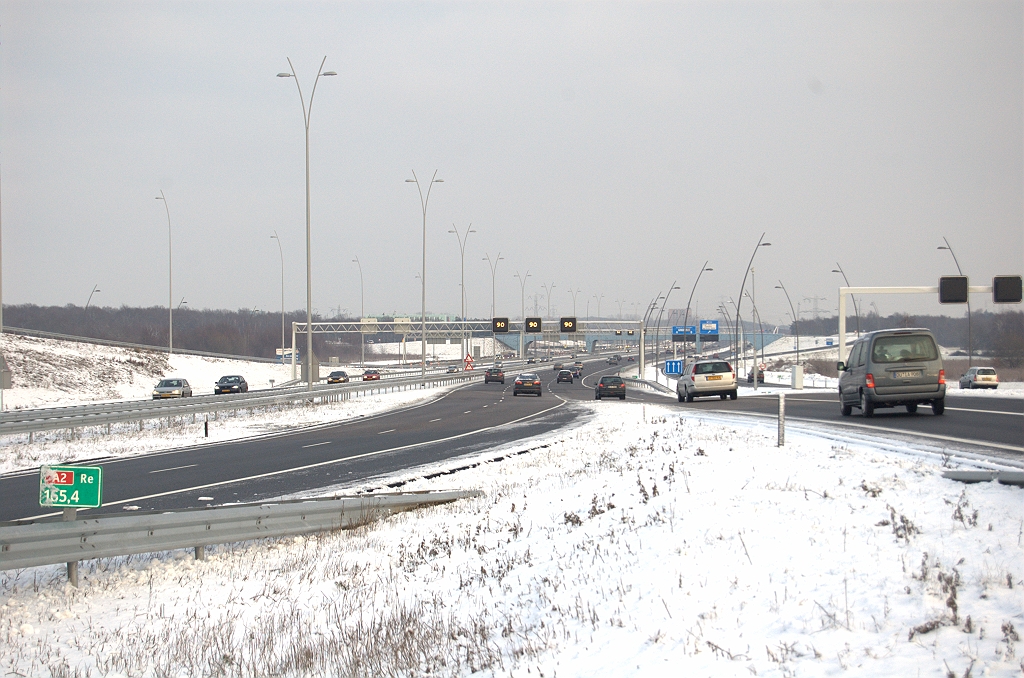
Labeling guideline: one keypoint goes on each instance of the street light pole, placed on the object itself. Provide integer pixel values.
(362, 314)
(170, 280)
(95, 289)
(547, 291)
(743, 286)
(970, 347)
(280, 251)
(423, 274)
(574, 300)
(494, 268)
(599, 298)
(796, 321)
(686, 316)
(657, 331)
(306, 113)
(462, 250)
(522, 326)
(856, 311)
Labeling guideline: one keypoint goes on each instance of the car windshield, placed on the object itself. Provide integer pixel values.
(169, 383)
(899, 348)
(986, 370)
(712, 368)
(229, 380)
(337, 374)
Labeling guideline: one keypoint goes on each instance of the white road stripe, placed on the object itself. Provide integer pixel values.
(326, 442)
(270, 474)
(174, 469)
(433, 420)
(390, 430)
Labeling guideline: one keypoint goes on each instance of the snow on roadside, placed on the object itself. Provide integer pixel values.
(646, 541)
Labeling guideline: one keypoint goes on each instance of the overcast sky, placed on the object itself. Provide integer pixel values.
(606, 147)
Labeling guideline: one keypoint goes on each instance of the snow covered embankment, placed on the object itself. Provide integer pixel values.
(665, 546)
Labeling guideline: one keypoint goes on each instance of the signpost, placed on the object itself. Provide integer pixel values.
(468, 360)
(674, 367)
(71, 486)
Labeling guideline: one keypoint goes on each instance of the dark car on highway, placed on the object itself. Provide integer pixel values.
(371, 375)
(610, 386)
(527, 383)
(230, 384)
(563, 375)
(494, 374)
(337, 377)
(760, 376)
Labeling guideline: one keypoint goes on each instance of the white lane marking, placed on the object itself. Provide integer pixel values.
(326, 442)
(318, 464)
(866, 427)
(390, 430)
(966, 409)
(173, 469)
(467, 411)
(433, 420)
(485, 405)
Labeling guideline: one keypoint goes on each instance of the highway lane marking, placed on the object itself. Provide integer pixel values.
(866, 427)
(173, 469)
(270, 474)
(833, 402)
(433, 420)
(390, 430)
(467, 411)
(966, 409)
(326, 442)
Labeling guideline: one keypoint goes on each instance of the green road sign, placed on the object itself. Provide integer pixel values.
(72, 486)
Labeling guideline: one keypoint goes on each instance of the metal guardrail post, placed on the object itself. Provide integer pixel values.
(69, 516)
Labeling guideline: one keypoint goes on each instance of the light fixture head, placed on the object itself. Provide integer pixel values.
(284, 75)
(326, 73)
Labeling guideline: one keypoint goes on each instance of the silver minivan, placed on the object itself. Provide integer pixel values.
(890, 368)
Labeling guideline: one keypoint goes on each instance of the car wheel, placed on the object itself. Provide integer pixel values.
(723, 396)
(912, 408)
(733, 395)
(867, 408)
(689, 396)
(515, 393)
(939, 406)
(622, 397)
(844, 409)
(597, 396)
(679, 396)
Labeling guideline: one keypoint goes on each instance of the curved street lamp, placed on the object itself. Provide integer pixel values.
(746, 272)
(95, 289)
(547, 291)
(856, 311)
(686, 316)
(574, 299)
(970, 347)
(494, 268)
(657, 331)
(599, 298)
(796, 320)
(307, 111)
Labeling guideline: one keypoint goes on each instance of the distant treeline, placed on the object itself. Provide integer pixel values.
(239, 332)
(997, 334)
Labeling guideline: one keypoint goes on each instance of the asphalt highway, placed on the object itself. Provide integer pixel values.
(466, 419)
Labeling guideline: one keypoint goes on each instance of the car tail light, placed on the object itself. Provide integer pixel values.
(536, 383)
(519, 383)
(869, 380)
(942, 377)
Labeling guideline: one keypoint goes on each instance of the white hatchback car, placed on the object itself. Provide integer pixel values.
(980, 377)
(706, 378)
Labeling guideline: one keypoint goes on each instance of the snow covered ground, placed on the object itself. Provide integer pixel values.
(646, 541)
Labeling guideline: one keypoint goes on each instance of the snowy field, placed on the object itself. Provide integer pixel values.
(646, 541)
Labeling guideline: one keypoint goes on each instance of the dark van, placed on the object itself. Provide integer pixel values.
(891, 368)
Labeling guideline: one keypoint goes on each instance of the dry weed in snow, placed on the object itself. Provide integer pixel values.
(676, 546)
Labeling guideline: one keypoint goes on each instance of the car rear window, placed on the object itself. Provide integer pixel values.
(986, 370)
(612, 381)
(712, 368)
(904, 348)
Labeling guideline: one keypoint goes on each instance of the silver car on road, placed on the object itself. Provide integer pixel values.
(172, 388)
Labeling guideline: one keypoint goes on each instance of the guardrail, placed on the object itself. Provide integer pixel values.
(46, 542)
(51, 419)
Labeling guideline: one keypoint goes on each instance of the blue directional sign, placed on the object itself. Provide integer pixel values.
(673, 367)
(709, 327)
(684, 333)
